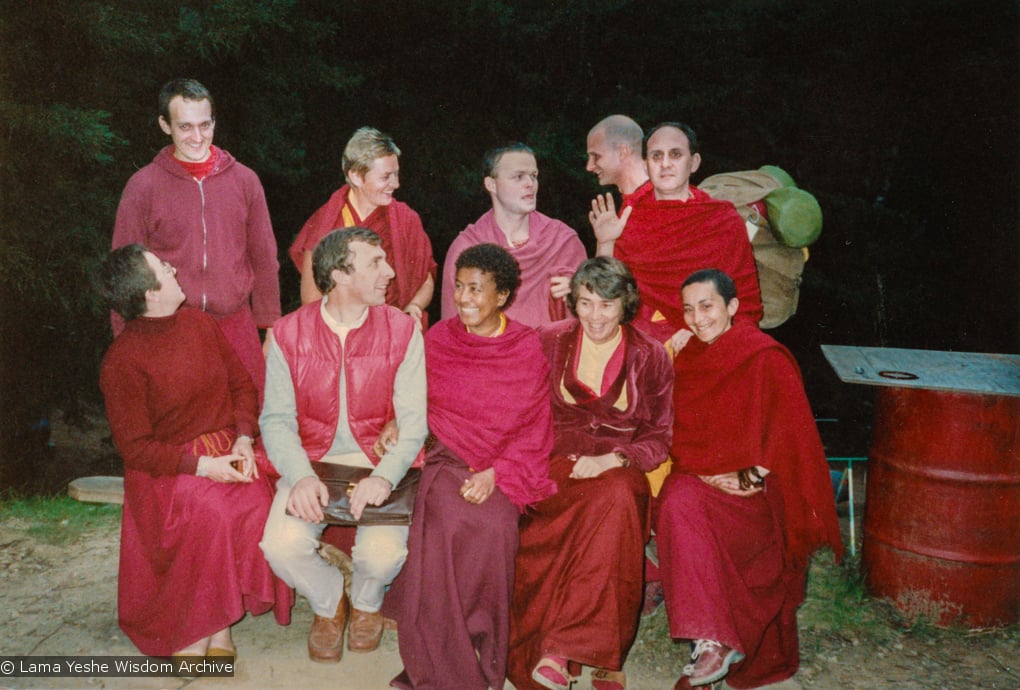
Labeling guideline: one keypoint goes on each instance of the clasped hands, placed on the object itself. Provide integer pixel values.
(308, 497)
(729, 482)
(589, 466)
(238, 466)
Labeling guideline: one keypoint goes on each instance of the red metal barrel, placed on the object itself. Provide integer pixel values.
(942, 527)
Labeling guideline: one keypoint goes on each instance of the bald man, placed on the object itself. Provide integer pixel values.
(669, 229)
(614, 154)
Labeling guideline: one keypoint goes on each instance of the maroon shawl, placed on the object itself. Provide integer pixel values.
(488, 402)
(740, 402)
(404, 240)
(553, 249)
(666, 241)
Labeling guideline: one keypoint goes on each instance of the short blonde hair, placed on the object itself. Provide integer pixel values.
(364, 147)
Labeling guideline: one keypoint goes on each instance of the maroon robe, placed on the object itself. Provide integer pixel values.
(407, 247)
(488, 407)
(578, 586)
(190, 564)
(734, 568)
(666, 241)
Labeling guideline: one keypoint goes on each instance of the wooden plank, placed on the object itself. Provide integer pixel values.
(97, 489)
(961, 372)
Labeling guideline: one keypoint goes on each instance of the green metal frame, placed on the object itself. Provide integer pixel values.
(850, 488)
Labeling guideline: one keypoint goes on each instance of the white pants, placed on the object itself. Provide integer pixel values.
(290, 544)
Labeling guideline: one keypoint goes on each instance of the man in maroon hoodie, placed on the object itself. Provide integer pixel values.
(195, 206)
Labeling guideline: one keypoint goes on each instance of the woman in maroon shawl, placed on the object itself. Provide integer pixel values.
(749, 498)
(578, 588)
(488, 409)
(183, 410)
(372, 168)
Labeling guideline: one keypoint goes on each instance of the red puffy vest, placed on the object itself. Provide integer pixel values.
(370, 359)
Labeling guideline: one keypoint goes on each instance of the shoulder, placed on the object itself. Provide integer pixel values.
(648, 354)
(404, 213)
(551, 332)
(190, 317)
(290, 320)
(757, 348)
(393, 316)
(155, 172)
(645, 343)
(642, 195)
(478, 231)
(525, 337)
(440, 332)
(468, 237)
(129, 351)
(228, 166)
(550, 224)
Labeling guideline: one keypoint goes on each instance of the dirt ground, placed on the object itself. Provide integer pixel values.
(61, 600)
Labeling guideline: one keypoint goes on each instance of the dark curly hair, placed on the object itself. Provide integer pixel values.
(608, 278)
(123, 280)
(497, 262)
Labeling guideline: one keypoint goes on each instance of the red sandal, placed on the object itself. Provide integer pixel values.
(551, 672)
(604, 679)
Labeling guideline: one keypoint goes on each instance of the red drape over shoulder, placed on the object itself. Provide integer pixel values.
(407, 247)
(740, 402)
(666, 241)
(488, 402)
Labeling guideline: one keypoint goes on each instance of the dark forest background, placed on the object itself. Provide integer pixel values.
(900, 116)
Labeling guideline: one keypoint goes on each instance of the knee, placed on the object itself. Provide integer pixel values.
(625, 487)
(380, 553)
(284, 541)
(681, 493)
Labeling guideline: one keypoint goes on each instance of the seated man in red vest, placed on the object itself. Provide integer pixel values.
(669, 229)
(338, 369)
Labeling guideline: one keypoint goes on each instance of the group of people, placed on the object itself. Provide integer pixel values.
(535, 408)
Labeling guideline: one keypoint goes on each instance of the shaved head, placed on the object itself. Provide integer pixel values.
(620, 129)
(614, 153)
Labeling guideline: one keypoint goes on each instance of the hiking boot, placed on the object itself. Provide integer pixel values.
(712, 662)
(366, 631)
(326, 637)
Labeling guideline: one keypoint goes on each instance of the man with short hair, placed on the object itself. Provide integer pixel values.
(204, 212)
(547, 250)
(338, 370)
(670, 229)
(614, 155)
(371, 167)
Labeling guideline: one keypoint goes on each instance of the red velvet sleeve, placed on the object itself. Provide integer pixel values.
(649, 446)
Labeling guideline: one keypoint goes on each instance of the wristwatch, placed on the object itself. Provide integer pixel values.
(624, 460)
